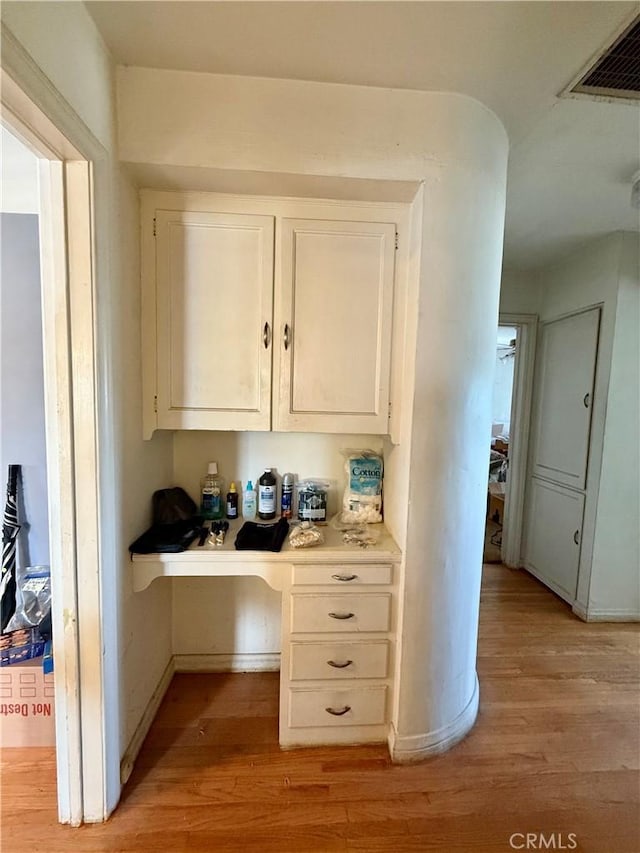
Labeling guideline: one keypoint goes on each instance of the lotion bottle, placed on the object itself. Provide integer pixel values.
(249, 502)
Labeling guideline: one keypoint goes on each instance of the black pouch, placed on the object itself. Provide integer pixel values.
(168, 538)
(254, 536)
(169, 505)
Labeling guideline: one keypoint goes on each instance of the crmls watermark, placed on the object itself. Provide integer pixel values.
(543, 841)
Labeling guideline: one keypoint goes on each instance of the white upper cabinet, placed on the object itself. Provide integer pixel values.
(214, 275)
(266, 314)
(334, 308)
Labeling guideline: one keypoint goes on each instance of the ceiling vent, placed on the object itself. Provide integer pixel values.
(615, 73)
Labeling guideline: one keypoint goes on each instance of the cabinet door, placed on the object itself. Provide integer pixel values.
(214, 280)
(553, 532)
(333, 326)
(566, 365)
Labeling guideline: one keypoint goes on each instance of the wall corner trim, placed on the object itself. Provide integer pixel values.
(404, 750)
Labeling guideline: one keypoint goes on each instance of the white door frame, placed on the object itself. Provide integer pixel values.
(527, 325)
(72, 172)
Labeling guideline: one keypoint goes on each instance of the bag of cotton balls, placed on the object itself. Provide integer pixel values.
(362, 501)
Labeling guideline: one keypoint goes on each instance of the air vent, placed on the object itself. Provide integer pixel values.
(616, 72)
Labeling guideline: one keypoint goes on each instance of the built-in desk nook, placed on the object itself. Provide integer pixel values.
(339, 615)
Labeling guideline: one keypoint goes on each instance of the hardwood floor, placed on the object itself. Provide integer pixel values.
(555, 750)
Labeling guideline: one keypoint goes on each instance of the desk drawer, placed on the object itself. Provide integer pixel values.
(342, 575)
(338, 613)
(339, 660)
(357, 706)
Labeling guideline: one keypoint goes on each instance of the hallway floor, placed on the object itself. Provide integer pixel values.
(555, 750)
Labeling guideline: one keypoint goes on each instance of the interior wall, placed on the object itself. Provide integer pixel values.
(22, 425)
(615, 572)
(520, 292)
(603, 272)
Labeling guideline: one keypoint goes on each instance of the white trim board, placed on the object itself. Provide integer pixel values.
(258, 662)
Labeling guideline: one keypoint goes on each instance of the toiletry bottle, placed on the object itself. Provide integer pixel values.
(267, 495)
(232, 502)
(212, 493)
(286, 500)
(249, 502)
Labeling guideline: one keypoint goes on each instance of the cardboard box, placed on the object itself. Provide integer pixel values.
(27, 710)
(495, 510)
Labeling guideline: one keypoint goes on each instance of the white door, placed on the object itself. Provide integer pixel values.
(564, 399)
(214, 280)
(333, 326)
(554, 525)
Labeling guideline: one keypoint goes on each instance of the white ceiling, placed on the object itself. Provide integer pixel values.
(571, 160)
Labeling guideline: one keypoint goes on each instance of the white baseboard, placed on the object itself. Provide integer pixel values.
(260, 662)
(142, 729)
(594, 615)
(417, 747)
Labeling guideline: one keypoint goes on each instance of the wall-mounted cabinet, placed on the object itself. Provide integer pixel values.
(266, 314)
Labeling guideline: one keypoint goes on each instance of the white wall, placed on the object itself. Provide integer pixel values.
(22, 426)
(520, 292)
(615, 573)
(458, 150)
(19, 177)
(136, 628)
(605, 272)
(503, 379)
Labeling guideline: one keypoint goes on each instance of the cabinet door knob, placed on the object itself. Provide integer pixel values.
(586, 400)
(266, 335)
(287, 336)
(576, 537)
(344, 577)
(341, 665)
(342, 615)
(338, 712)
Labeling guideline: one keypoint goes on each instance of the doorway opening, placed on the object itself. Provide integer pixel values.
(70, 175)
(512, 396)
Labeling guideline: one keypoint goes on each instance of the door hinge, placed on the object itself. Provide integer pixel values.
(397, 240)
(389, 410)
(154, 226)
(155, 404)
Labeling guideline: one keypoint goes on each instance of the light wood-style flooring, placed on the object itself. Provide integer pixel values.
(555, 750)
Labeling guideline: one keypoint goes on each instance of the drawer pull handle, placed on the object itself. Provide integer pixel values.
(344, 577)
(342, 615)
(339, 665)
(338, 712)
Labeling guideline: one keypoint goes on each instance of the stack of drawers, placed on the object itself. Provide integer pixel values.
(336, 664)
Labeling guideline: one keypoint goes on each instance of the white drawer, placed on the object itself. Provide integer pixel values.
(339, 660)
(342, 575)
(357, 706)
(338, 613)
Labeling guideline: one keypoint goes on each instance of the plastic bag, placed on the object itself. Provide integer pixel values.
(312, 500)
(305, 535)
(362, 500)
(33, 598)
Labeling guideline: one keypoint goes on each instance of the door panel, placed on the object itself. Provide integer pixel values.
(564, 398)
(554, 529)
(214, 280)
(337, 295)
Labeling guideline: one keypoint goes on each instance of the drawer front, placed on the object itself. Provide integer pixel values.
(338, 613)
(342, 575)
(339, 660)
(358, 706)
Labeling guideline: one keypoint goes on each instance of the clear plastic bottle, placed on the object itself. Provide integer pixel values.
(212, 494)
(249, 502)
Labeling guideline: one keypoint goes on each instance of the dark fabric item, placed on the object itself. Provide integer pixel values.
(170, 505)
(253, 536)
(168, 538)
(10, 530)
